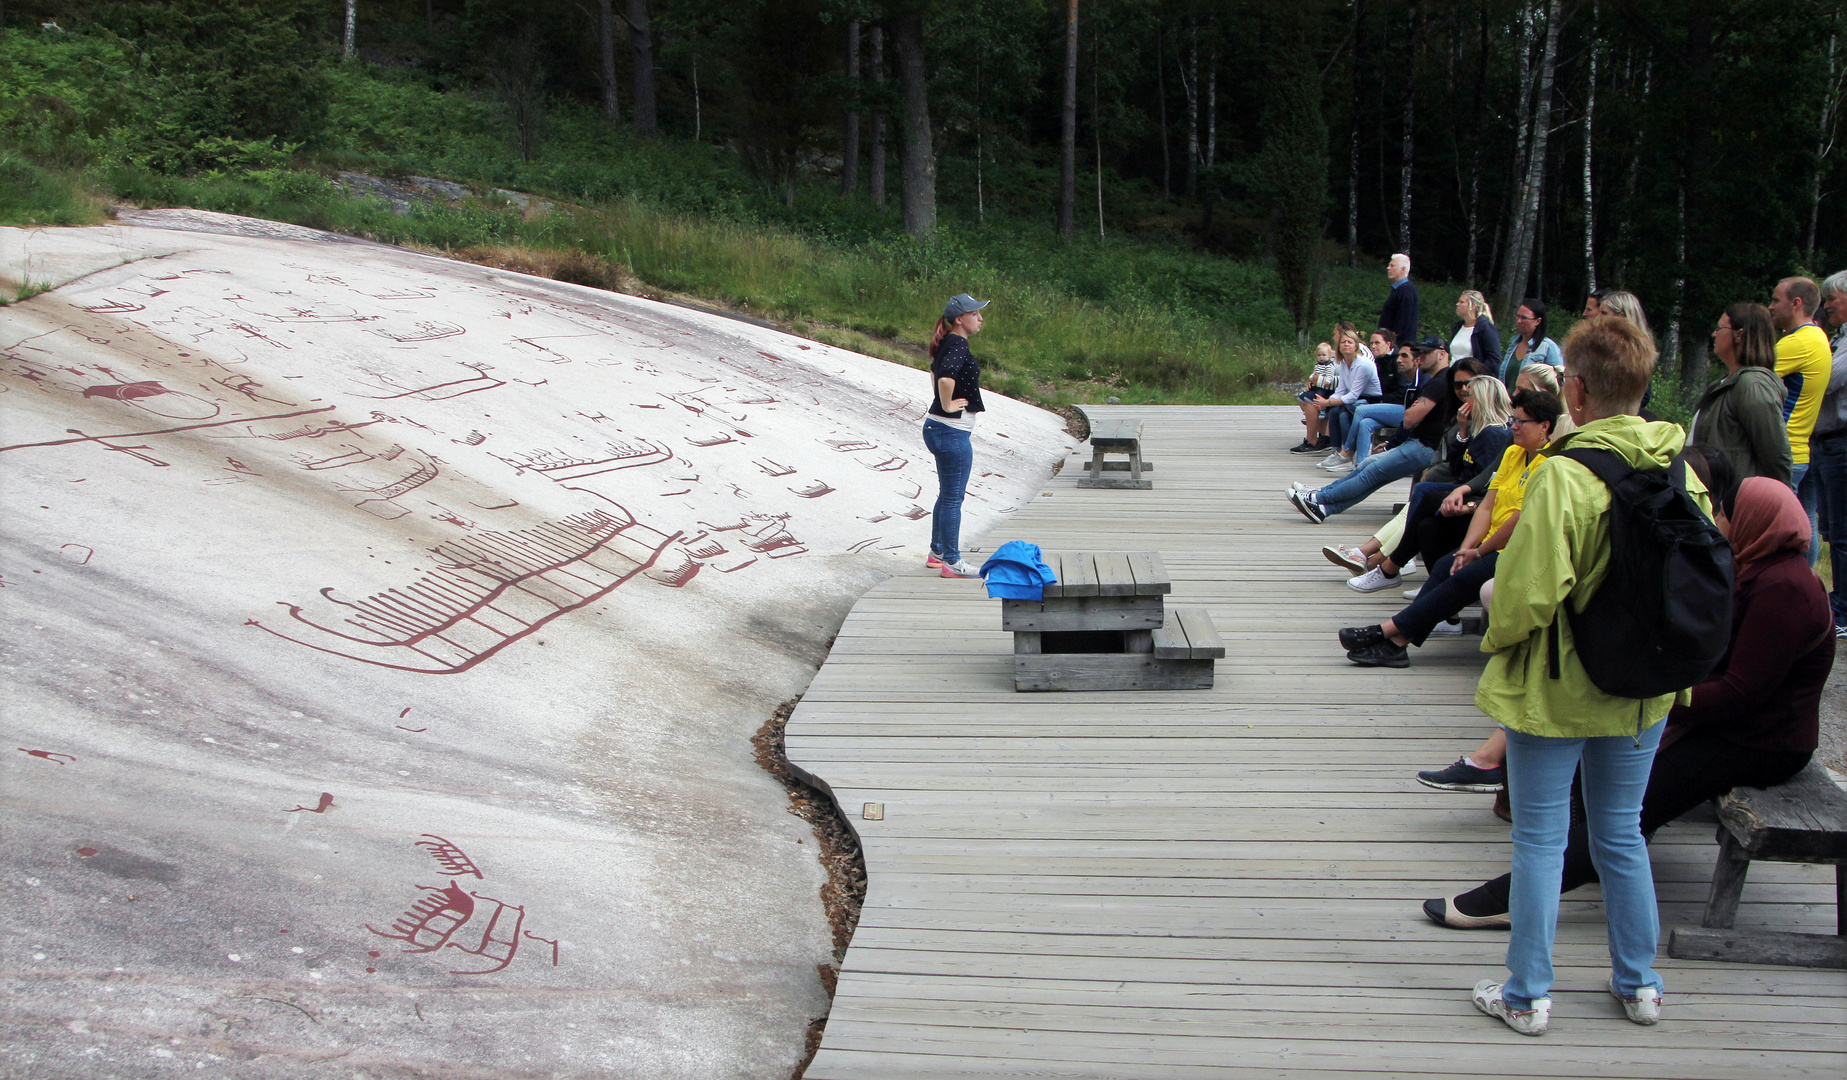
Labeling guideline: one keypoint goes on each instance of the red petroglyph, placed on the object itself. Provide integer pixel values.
(773, 468)
(405, 713)
(815, 490)
(412, 730)
(81, 437)
(677, 576)
(49, 755)
(86, 852)
(318, 808)
(709, 549)
(848, 446)
(78, 554)
(492, 589)
(441, 391)
(547, 941)
(716, 440)
(739, 566)
(915, 513)
(431, 919)
(425, 331)
(864, 544)
(890, 464)
(453, 860)
(559, 466)
(134, 391)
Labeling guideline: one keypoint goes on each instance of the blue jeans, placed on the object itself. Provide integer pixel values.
(1539, 771)
(1340, 422)
(1406, 459)
(955, 457)
(1826, 495)
(1366, 420)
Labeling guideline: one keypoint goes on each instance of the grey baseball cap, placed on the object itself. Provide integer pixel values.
(961, 304)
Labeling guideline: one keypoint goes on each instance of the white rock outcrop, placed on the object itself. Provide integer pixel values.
(383, 636)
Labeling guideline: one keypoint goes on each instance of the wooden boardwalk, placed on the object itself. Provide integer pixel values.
(1224, 882)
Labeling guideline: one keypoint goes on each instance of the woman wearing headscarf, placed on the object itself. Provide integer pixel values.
(1753, 723)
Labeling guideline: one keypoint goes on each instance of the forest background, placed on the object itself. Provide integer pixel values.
(1169, 200)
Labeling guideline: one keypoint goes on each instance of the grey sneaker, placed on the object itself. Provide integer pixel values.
(1330, 461)
(1644, 1008)
(1525, 1021)
(961, 568)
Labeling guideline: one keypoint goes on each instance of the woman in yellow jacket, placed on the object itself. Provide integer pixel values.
(1556, 724)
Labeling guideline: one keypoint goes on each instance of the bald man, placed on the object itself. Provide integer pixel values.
(1399, 315)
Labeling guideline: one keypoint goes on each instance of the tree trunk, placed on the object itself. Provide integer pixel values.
(1067, 142)
(1353, 142)
(1521, 245)
(1626, 212)
(1189, 82)
(1824, 136)
(352, 15)
(1410, 98)
(875, 165)
(1160, 89)
(1212, 99)
(1096, 131)
(1481, 87)
(1694, 198)
(1590, 199)
(1669, 350)
(849, 151)
(641, 58)
(1523, 135)
(606, 60)
(917, 161)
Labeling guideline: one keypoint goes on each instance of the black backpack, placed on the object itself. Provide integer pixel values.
(1662, 619)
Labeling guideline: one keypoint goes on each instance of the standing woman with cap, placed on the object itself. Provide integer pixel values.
(955, 378)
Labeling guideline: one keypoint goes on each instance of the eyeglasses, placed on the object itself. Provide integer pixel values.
(1516, 421)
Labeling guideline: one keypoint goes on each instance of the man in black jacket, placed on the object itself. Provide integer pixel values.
(1399, 315)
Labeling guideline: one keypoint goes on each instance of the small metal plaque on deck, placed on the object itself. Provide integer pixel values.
(874, 811)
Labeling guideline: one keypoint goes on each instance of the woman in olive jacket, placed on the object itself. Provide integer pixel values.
(1742, 414)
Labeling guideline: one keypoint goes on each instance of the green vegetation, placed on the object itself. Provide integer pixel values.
(91, 119)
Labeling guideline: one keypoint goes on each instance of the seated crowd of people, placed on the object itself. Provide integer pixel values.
(1503, 511)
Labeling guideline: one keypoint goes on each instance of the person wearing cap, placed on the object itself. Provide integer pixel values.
(955, 401)
(1411, 450)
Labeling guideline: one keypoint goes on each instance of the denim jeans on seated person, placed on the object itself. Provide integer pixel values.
(1366, 420)
(1340, 422)
(1444, 595)
(1827, 480)
(1808, 496)
(1406, 459)
(1616, 769)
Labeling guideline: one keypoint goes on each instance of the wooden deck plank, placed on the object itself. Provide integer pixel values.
(1224, 882)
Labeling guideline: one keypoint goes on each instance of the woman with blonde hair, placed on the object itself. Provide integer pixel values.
(1624, 305)
(1474, 335)
(1544, 377)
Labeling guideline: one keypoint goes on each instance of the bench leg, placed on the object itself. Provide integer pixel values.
(1096, 463)
(1840, 899)
(1135, 462)
(1727, 883)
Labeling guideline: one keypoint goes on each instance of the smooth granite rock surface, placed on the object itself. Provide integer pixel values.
(381, 638)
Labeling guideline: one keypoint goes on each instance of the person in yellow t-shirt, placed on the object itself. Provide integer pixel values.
(1456, 582)
(1803, 361)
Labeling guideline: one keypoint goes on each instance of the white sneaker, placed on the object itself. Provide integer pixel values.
(1330, 461)
(1295, 486)
(1371, 581)
(1525, 1021)
(1452, 626)
(961, 568)
(1344, 465)
(1410, 594)
(1411, 567)
(1644, 1008)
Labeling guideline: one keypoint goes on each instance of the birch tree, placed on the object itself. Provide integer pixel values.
(875, 158)
(352, 16)
(1590, 201)
(1526, 216)
(606, 60)
(1410, 100)
(1826, 122)
(1189, 82)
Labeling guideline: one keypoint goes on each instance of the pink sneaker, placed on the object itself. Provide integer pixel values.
(960, 569)
(931, 562)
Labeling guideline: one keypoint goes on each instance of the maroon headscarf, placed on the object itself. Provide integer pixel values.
(1766, 518)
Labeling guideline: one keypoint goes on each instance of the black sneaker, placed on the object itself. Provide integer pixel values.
(1303, 447)
(1354, 638)
(1384, 653)
(1310, 508)
(1465, 777)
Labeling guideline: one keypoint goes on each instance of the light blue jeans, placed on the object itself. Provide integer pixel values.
(1808, 495)
(1405, 459)
(1539, 771)
(1366, 420)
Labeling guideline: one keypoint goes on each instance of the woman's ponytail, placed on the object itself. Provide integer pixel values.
(936, 338)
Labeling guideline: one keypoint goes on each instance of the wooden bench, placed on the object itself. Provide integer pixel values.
(1803, 820)
(1116, 437)
(1106, 626)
